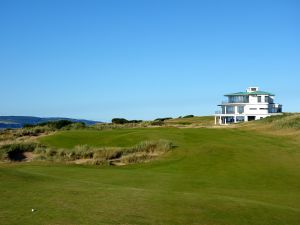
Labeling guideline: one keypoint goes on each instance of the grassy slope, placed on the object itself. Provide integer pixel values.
(196, 121)
(214, 176)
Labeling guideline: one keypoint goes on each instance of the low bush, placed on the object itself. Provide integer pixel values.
(56, 125)
(124, 121)
(31, 131)
(15, 151)
(119, 121)
(157, 123)
(163, 119)
(188, 116)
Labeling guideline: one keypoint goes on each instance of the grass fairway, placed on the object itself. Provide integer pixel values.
(213, 177)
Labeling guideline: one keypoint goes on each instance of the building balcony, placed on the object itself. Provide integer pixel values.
(228, 113)
(232, 103)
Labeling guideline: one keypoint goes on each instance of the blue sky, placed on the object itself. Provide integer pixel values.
(144, 59)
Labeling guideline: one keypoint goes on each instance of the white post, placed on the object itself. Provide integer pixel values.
(215, 120)
(234, 119)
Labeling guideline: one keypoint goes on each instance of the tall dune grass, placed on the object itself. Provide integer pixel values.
(286, 120)
(106, 155)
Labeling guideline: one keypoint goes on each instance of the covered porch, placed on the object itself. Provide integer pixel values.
(229, 118)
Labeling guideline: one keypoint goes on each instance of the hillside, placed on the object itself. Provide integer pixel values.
(20, 121)
(244, 175)
(199, 121)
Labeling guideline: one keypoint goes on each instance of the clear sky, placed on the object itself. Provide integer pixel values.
(143, 59)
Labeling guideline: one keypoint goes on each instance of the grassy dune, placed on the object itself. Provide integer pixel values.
(213, 177)
(194, 121)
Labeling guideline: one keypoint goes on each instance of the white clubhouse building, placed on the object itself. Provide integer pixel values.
(246, 106)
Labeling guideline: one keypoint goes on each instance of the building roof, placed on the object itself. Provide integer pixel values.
(251, 93)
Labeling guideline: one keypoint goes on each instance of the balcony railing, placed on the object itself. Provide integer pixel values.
(233, 102)
(230, 112)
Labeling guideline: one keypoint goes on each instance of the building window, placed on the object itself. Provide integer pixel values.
(258, 98)
(253, 89)
(266, 98)
(238, 99)
(253, 108)
(230, 110)
(240, 109)
(240, 119)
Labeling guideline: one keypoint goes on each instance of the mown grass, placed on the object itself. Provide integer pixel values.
(214, 176)
(104, 138)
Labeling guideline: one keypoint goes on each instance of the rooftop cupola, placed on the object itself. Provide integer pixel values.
(252, 89)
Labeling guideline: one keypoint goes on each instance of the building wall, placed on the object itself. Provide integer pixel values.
(257, 107)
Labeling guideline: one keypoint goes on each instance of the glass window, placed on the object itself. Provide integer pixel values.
(266, 98)
(230, 109)
(238, 99)
(258, 98)
(241, 109)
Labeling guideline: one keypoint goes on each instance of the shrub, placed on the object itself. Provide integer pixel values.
(157, 123)
(119, 121)
(53, 124)
(163, 119)
(124, 121)
(135, 121)
(33, 131)
(15, 151)
(188, 116)
(57, 124)
(76, 126)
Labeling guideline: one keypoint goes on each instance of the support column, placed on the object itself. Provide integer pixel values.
(215, 120)
(234, 119)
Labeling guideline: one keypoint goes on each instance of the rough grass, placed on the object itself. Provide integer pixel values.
(109, 155)
(284, 121)
(215, 177)
(192, 121)
(15, 151)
